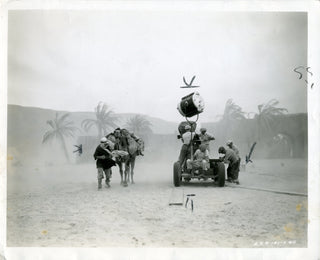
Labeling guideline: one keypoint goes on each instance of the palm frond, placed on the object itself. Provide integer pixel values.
(62, 118)
(232, 112)
(48, 136)
(51, 123)
(88, 123)
(266, 115)
(139, 125)
(60, 127)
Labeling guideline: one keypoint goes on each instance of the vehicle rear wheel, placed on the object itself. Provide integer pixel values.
(221, 174)
(176, 174)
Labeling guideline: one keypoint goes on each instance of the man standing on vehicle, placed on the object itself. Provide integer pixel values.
(205, 138)
(185, 149)
(232, 160)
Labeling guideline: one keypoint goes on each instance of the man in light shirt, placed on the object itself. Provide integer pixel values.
(185, 149)
(205, 138)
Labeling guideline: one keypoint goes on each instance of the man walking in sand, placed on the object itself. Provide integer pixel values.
(104, 162)
(232, 160)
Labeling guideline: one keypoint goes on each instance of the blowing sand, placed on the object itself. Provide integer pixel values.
(60, 205)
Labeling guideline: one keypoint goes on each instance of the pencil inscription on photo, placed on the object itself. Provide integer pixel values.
(303, 71)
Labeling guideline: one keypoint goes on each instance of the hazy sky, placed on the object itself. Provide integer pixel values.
(135, 60)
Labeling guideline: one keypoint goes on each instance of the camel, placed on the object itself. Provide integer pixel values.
(126, 161)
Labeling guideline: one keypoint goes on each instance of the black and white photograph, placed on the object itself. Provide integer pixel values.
(172, 127)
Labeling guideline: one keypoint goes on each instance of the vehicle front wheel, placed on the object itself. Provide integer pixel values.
(221, 174)
(176, 174)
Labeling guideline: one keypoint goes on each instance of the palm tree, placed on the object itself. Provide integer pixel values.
(104, 119)
(232, 114)
(250, 115)
(60, 130)
(139, 125)
(265, 117)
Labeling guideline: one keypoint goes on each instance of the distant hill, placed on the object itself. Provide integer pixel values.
(27, 125)
(18, 116)
(159, 126)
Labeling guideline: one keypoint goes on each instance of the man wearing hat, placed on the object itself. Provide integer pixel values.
(104, 162)
(186, 140)
(232, 160)
(205, 138)
(233, 147)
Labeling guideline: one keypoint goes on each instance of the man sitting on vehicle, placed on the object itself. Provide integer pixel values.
(201, 159)
(232, 159)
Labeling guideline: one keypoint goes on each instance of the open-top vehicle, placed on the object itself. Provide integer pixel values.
(189, 106)
(216, 172)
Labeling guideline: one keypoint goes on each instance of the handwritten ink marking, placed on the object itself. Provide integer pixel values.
(189, 85)
(307, 69)
(295, 70)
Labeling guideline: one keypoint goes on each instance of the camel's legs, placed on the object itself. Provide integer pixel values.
(126, 172)
(121, 171)
(132, 164)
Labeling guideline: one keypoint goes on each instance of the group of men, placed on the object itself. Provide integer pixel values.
(232, 157)
(112, 146)
(200, 143)
(200, 159)
(116, 145)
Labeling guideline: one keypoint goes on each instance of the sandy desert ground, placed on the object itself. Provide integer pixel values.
(59, 205)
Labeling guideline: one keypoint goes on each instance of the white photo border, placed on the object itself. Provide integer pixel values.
(311, 252)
